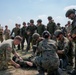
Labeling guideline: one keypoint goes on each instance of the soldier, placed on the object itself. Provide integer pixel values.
(16, 32)
(48, 58)
(71, 15)
(6, 48)
(1, 34)
(30, 31)
(70, 53)
(58, 26)
(62, 48)
(51, 26)
(69, 27)
(7, 33)
(35, 42)
(23, 34)
(40, 27)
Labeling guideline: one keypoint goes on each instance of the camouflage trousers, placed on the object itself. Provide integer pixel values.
(46, 64)
(3, 65)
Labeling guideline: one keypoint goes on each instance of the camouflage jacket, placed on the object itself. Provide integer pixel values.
(6, 48)
(63, 45)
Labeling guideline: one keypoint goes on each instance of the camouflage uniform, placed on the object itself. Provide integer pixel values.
(64, 46)
(6, 48)
(40, 29)
(1, 34)
(51, 27)
(48, 58)
(72, 12)
(73, 32)
(7, 34)
(16, 32)
(30, 32)
(24, 36)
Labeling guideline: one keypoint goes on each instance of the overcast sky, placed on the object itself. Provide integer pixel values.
(17, 11)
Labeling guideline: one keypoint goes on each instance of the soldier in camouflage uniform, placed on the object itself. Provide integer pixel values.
(51, 26)
(16, 32)
(48, 58)
(58, 26)
(30, 31)
(7, 33)
(24, 35)
(40, 27)
(1, 34)
(6, 48)
(71, 15)
(62, 47)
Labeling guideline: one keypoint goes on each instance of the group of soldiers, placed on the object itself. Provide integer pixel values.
(52, 45)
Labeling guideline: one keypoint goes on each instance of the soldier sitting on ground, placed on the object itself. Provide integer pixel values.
(6, 48)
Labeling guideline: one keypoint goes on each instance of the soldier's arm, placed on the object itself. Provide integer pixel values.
(14, 63)
(66, 47)
(12, 31)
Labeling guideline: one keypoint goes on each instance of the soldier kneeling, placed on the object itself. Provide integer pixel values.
(48, 59)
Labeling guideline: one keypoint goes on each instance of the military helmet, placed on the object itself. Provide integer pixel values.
(31, 21)
(46, 34)
(24, 23)
(6, 26)
(70, 11)
(49, 17)
(58, 23)
(57, 33)
(39, 20)
(35, 36)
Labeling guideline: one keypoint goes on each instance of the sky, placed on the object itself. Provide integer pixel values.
(19, 11)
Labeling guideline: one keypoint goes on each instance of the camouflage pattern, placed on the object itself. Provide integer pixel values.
(73, 32)
(63, 45)
(7, 34)
(6, 48)
(40, 29)
(31, 29)
(48, 58)
(51, 27)
(16, 31)
(1, 34)
(23, 34)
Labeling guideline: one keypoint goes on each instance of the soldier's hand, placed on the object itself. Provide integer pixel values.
(17, 65)
(29, 63)
(60, 52)
(20, 59)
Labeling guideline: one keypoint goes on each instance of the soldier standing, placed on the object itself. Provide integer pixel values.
(51, 26)
(16, 32)
(1, 34)
(47, 58)
(7, 33)
(30, 31)
(40, 27)
(71, 15)
(23, 34)
(58, 26)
